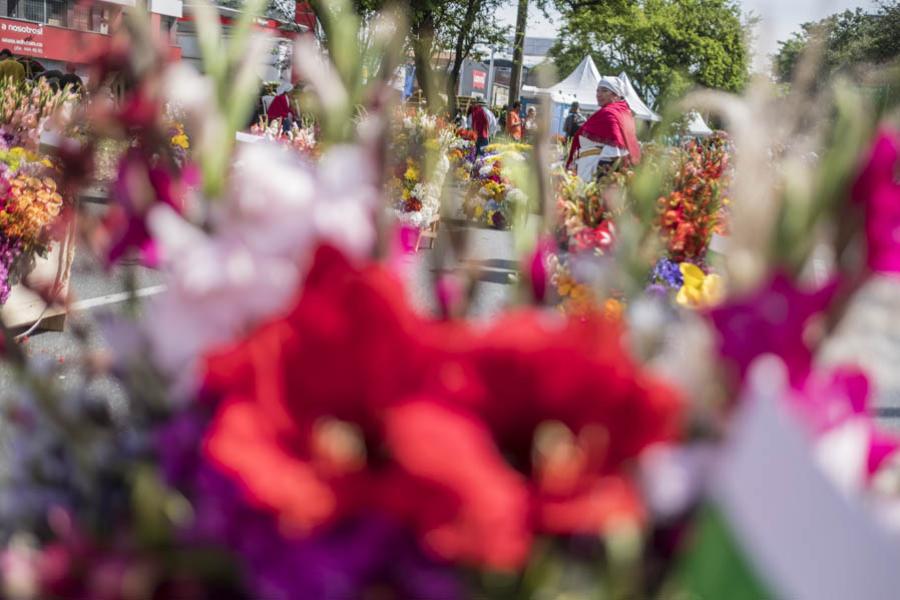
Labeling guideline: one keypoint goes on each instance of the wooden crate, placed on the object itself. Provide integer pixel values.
(428, 236)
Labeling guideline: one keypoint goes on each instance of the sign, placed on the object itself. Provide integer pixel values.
(53, 43)
(478, 80)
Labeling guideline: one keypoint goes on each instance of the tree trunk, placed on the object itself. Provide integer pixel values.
(422, 55)
(515, 80)
(459, 54)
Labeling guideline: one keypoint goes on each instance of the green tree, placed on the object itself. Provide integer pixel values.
(465, 24)
(449, 28)
(665, 46)
(850, 38)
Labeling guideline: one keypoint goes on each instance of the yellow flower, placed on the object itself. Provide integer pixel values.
(411, 174)
(699, 289)
(181, 140)
(479, 210)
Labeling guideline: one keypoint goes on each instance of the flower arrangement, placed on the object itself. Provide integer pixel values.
(301, 137)
(492, 198)
(462, 154)
(30, 201)
(420, 144)
(694, 210)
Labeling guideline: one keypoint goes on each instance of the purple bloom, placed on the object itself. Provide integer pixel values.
(656, 290)
(10, 249)
(342, 561)
(668, 272)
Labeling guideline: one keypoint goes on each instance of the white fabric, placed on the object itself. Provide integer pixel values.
(809, 540)
(284, 88)
(613, 84)
(585, 167)
(493, 125)
(697, 126)
(637, 106)
(581, 85)
(267, 101)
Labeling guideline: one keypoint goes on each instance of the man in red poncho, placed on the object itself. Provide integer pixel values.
(480, 125)
(609, 133)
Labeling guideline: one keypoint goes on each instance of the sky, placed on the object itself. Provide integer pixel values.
(778, 19)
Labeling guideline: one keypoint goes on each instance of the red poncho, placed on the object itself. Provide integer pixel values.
(480, 122)
(612, 125)
(279, 108)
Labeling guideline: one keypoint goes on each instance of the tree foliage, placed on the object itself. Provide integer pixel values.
(849, 39)
(665, 46)
(438, 29)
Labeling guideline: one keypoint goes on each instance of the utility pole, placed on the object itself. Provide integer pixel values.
(490, 80)
(515, 80)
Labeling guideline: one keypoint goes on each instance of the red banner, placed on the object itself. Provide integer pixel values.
(54, 43)
(478, 80)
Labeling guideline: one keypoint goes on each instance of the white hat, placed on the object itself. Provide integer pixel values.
(613, 84)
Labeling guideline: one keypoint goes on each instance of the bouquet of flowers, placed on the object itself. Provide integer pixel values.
(301, 137)
(462, 154)
(30, 200)
(420, 144)
(492, 198)
(694, 210)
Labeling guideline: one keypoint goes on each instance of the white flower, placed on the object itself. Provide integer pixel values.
(249, 268)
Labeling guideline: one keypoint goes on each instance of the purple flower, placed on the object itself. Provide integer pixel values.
(10, 249)
(343, 561)
(667, 271)
(656, 290)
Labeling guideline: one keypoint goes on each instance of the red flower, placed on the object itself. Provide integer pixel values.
(473, 438)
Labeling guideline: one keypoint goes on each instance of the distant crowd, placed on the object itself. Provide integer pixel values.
(20, 68)
(513, 121)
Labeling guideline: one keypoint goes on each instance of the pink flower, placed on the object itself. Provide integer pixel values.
(139, 187)
(249, 268)
(878, 190)
(772, 320)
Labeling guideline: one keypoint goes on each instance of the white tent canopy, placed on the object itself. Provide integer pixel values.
(697, 126)
(581, 86)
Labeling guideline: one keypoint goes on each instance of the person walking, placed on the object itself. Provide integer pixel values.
(10, 67)
(514, 121)
(574, 120)
(609, 134)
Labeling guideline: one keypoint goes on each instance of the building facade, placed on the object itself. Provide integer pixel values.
(58, 32)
